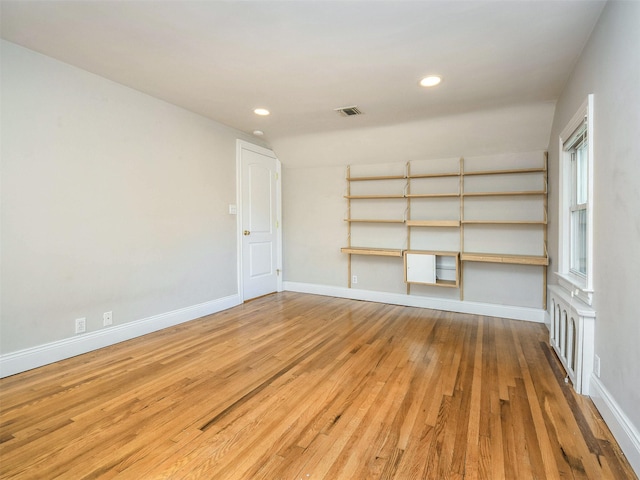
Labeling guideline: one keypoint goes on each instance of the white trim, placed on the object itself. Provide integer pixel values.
(625, 432)
(23, 360)
(584, 285)
(572, 283)
(476, 308)
(577, 119)
(240, 145)
(279, 260)
(581, 308)
(572, 336)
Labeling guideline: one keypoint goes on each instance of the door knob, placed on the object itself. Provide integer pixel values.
(247, 232)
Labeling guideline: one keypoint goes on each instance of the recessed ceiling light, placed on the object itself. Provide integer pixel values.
(261, 111)
(258, 133)
(431, 81)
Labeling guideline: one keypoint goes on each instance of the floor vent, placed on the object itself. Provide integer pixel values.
(349, 111)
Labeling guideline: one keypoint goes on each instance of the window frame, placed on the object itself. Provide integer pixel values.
(576, 280)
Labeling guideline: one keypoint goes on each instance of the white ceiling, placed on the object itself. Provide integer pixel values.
(302, 59)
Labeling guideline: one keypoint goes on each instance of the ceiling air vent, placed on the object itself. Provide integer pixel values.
(349, 111)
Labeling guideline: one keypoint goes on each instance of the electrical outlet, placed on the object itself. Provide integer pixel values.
(81, 325)
(354, 279)
(107, 319)
(596, 365)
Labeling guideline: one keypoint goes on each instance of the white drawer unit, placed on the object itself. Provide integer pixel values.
(432, 268)
(420, 268)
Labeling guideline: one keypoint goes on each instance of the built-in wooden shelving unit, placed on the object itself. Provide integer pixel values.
(459, 188)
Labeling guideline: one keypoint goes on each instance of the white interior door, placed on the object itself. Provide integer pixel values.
(260, 213)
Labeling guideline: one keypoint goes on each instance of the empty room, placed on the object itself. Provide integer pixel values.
(319, 239)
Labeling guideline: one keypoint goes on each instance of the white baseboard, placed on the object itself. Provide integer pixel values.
(23, 360)
(625, 432)
(476, 308)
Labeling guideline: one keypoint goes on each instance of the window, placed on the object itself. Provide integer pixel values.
(576, 185)
(577, 147)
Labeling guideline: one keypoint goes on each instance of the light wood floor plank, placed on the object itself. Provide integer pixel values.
(293, 386)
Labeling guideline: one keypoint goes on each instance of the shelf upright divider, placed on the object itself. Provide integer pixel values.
(546, 228)
(461, 227)
(349, 223)
(408, 195)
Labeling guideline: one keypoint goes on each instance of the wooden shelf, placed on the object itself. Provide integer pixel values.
(431, 195)
(433, 223)
(446, 283)
(498, 194)
(372, 197)
(371, 220)
(504, 222)
(381, 252)
(382, 177)
(506, 171)
(442, 253)
(434, 175)
(540, 260)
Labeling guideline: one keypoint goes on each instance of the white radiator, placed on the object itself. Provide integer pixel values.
(571, 335)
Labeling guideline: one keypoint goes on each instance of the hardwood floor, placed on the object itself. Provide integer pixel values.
(294, 386)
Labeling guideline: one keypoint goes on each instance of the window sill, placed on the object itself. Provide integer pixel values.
(576, 285)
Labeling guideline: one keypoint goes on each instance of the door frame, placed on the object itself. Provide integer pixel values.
(240, 146)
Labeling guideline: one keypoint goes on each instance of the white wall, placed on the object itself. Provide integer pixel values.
(111, 201)
(314, 168)
(609, 67)
(523, 128)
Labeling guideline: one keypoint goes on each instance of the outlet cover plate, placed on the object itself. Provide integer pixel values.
(81, 325)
